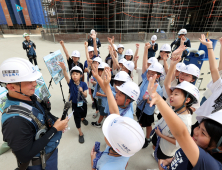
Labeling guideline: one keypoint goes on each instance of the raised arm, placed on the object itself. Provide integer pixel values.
(64, 49)
(97, 77)
(111, 41)
(145, 54)
(93, 35)
(165, 57)
(136, 58)
(115, 61)
(220, 63)
(137, 50)
(62, 65)
(213, 63)
(176, 125)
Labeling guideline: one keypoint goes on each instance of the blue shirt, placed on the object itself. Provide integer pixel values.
(120, 56)
(74, 90)
(86, 65)
(147, 110)
(107, 162)
(205, 161)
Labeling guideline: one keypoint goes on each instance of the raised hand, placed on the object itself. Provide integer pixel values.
(113, 39)
(94, 70)
(61, 42)
(183, 38)
(147, 45)
(62, 65)
(137, 45)
(152, 90)
(136, 58)
(86, 44)
(208, 43)
(220, 41)
(93, 35)
(107, 76)
(109, 40)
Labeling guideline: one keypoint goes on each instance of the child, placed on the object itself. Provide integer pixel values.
(120, 49)
(154, 47)
(128, 67)
(74, 59)
(123, 136)
(30, 48)
(203, 150)
(78, 91)
(151, 60)
(144, 112)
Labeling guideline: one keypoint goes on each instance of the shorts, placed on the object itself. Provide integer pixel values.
(145, 120)
(101, 111)
(160, 154)
(79, 111)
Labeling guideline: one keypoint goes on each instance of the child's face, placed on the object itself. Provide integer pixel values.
(120, 50)
(201, 137)
(128, 57)
(148, 64)
(75, 59)
(95, 63)
(151, 73)
(27, 38)
(117, 83)
(184, 76)
(177, 98)
(100, 72)
(91, 54)
(76, 76)
(177, 74)
(121, 65)
(120, 98)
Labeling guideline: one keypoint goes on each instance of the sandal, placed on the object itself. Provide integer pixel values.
(95, 115)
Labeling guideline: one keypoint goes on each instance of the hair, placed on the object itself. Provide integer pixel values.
(120, 82)
(77, 71)
(158, 73)
(131, 57)
(106, 60)
(194, 77)
(189, 104)
(214, 130)
(129, 72)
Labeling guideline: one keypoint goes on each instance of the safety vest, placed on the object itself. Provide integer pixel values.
(33, 115)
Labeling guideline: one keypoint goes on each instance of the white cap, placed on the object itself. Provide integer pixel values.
(180, 66)
(90, 48)
(129, 52)
(123, 60)
(25, 35)
(166, 48)
(114, 45)
(157, 67)
(124, 134)
(92, 30)
(131, 89)
(217, 117)
(75, 54)
(122, 76)
(189, 88)
(191, 69)
(182, 31)
(106, 65)
(154, 38)
(129, 65)
(152, 60)
(102, 65)
(98, 59)
(120, 46)
(76, 68)
(15, 70)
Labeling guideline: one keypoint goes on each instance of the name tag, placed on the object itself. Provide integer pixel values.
(80, 104)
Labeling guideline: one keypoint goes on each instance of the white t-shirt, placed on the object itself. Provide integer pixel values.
(163, 76)
(168, 148)
(213, 103)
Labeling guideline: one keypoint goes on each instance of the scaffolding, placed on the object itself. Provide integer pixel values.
(132, 16)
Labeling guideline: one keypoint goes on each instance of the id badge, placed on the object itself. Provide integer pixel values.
(80, 104)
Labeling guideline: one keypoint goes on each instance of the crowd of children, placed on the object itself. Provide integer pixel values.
(169, 87)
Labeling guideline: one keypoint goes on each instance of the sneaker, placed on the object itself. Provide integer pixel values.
(81, 139)
(85, 122)
(95, 115)
(153, 155)
(96, 124)
(93, 105)
(147, 142)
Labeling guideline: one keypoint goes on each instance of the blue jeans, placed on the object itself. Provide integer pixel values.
(51, 163)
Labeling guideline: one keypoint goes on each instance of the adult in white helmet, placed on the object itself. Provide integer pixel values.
(73, 59)
(200, 151)
(144, 112)
(90, 40)
(154, 47)
(19, 77)
(120, 49)
(181, 37)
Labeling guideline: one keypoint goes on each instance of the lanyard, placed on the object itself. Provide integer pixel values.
(124, 111)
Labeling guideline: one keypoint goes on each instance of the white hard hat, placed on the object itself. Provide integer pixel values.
(189, 88)
(106, 65)
(98, 59)
(123, 60)
(120, 46)
(191, 69)
(152, 60)
(129, 65)
(75, 54)
(76, 68)
(180, 66)
(182, 31)
(102, 65)
(92, 30)
(14, 70)
(90, 48)
(122, 76)
(157, 67)
(25, 35)
(114, 45)
(124, 134)
(154, 38)
(131, 89)
(166, 48)
(97, 49)
(129, 52)
(216, 116)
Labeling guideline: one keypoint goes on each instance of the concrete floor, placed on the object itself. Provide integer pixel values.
(73, 155)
